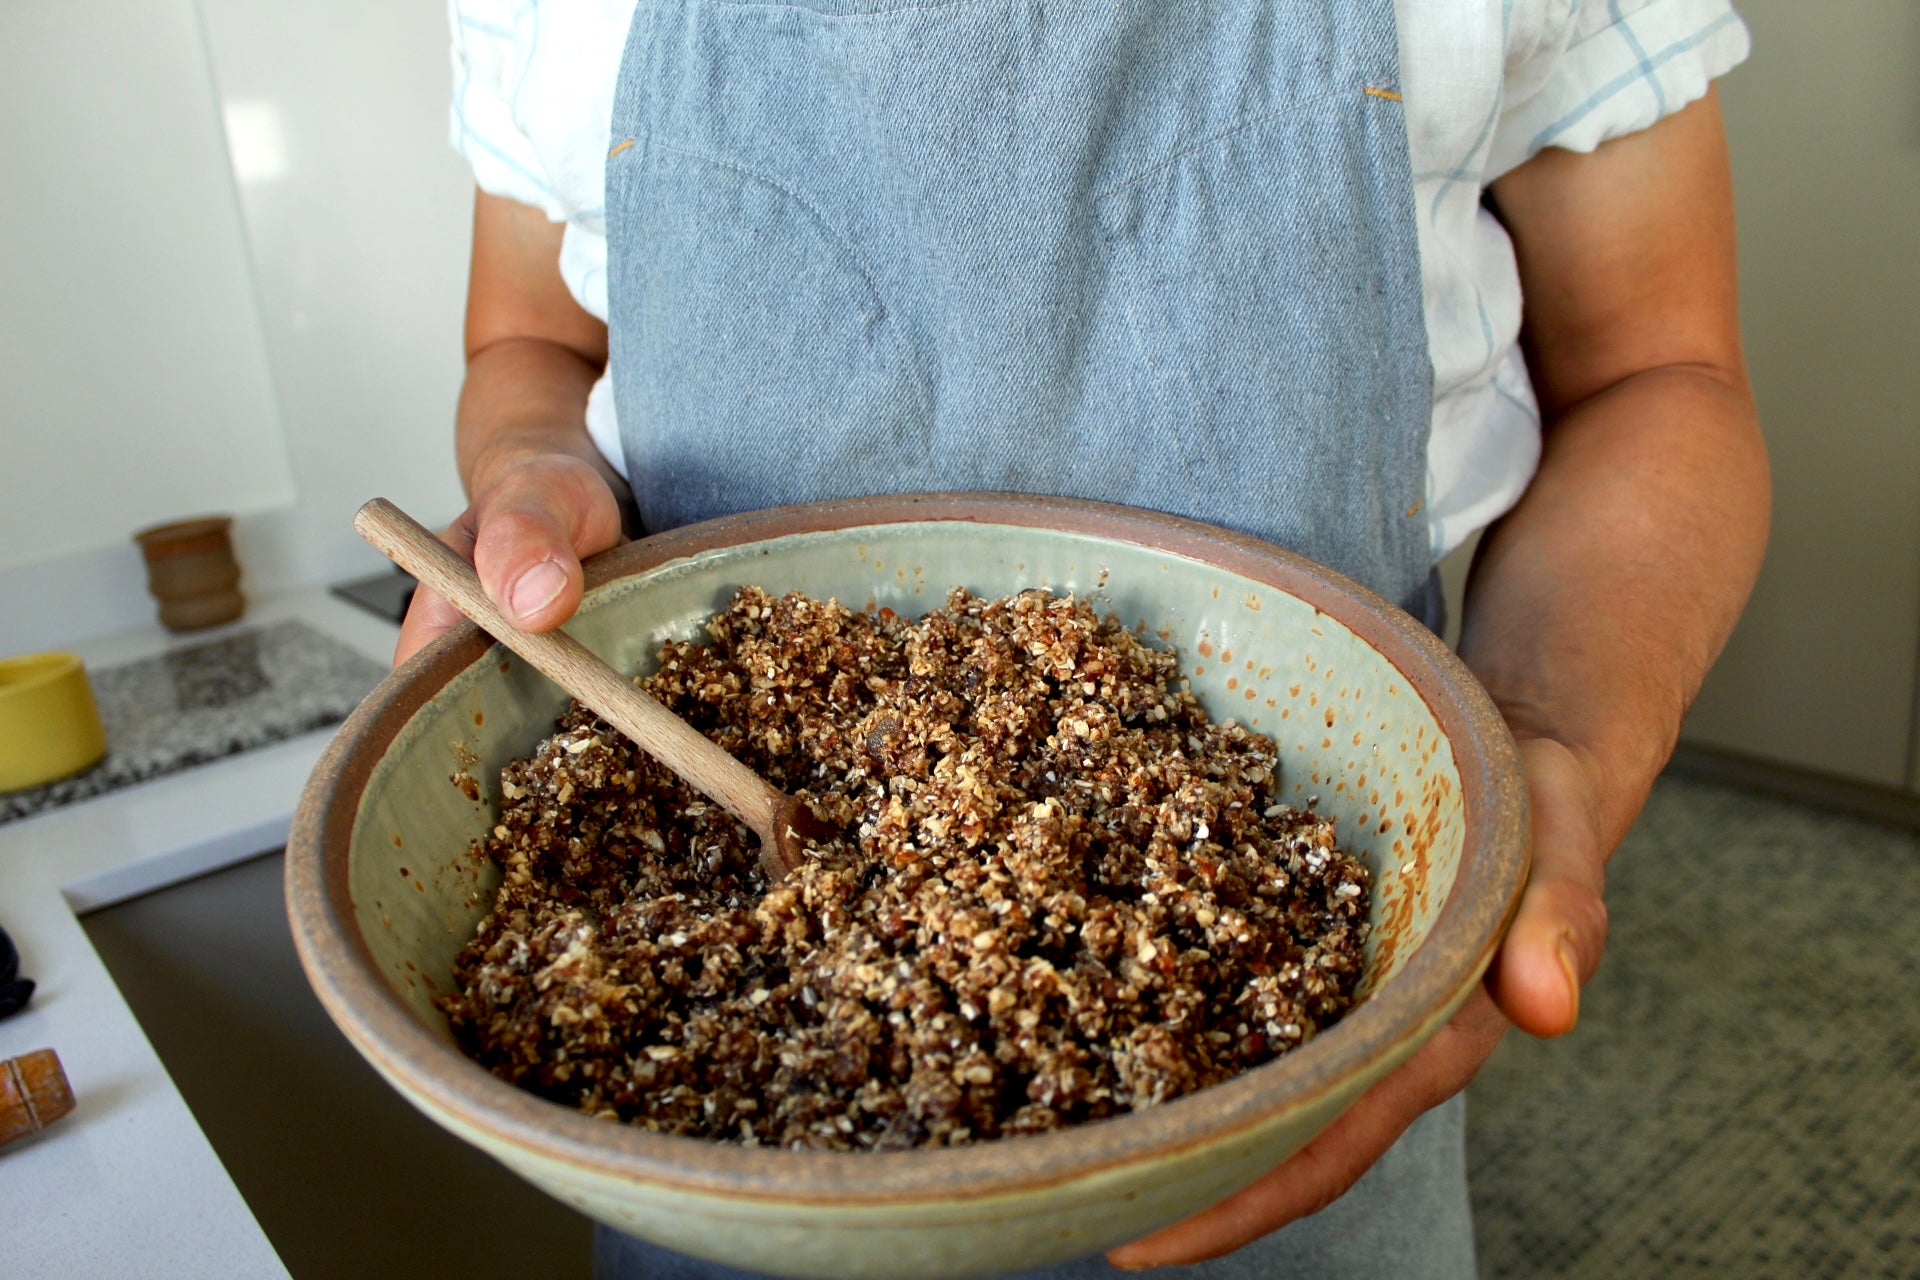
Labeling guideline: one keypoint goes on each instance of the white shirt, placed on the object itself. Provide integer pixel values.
(1487, 83)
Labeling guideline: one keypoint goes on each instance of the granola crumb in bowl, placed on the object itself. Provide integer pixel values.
(1370, 713)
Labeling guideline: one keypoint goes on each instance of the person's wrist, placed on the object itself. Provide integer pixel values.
(1618, 722)
(1619, 762)
(516, 459)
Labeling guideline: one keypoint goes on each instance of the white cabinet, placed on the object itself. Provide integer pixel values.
(233, 247)
(134, 384)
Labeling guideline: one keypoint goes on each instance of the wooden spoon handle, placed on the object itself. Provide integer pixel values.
(579, 671)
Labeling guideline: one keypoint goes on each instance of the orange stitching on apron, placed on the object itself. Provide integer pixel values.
(1388, 94)
(629, 142)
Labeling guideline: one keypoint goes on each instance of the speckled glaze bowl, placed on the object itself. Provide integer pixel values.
(1373, 715)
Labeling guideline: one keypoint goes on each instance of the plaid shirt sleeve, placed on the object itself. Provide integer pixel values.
(1621, 66)
(490, 54)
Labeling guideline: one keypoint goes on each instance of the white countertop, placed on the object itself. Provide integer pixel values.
(128, 1184)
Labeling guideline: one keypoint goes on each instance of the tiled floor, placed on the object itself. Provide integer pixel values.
(1742, 1097)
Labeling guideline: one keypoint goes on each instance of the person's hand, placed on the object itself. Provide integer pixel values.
(533, 518)
(1552, 947)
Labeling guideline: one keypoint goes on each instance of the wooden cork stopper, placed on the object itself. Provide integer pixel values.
(33, 1094)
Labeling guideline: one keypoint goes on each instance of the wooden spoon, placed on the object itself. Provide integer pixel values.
(783, 822)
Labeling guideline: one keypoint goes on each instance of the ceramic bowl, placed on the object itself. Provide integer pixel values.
(49, 723)
(1373, 714)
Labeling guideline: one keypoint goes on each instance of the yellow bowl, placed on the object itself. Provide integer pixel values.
(49, 726)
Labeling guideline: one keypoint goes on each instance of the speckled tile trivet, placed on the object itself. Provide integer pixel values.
(196, 704)
(1742, 1096)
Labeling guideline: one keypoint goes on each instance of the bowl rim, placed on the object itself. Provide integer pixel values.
(26, 672)
(179, 537)
(1435, 978)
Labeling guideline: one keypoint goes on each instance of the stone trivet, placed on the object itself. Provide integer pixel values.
(192, 705)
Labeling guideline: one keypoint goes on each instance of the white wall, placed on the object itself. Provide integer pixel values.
(133, 375)
(1824, 128)
(323, 307)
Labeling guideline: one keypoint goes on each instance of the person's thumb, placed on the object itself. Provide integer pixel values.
(527, 561)
(1556, 939)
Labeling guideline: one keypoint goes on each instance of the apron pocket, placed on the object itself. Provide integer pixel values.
(769, 367)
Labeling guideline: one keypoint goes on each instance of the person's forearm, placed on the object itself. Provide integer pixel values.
(540, 495)
(525, 397)
(1596, 606)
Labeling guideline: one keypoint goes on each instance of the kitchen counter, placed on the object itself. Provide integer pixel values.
(128, 1184)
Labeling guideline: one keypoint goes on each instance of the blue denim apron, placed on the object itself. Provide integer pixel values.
(1145, 251)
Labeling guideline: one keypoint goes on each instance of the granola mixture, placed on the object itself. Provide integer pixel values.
(1063, 893)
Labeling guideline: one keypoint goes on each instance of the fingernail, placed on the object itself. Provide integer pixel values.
(535, 589)
(1569, 967)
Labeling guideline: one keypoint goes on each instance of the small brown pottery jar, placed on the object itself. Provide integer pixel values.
(192, 573)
